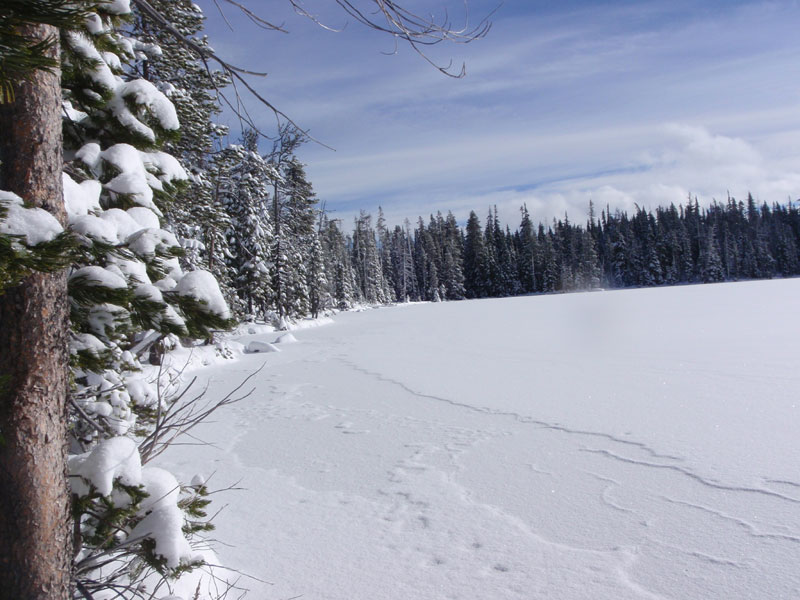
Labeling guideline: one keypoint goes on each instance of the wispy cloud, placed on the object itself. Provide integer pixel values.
(627, 102)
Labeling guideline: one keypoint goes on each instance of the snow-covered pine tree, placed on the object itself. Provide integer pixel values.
(711, 269)
(526, 252)
(285, 252)
(128, 294)
(367, 262)
(549, 268)
(476, 269)
(194, 214)
(244, 179)
(385, 251)
(428, 253)
(402, 255)
(452, 267)
(342, 286)
(588, 265)
(319, 296)
(295, 242)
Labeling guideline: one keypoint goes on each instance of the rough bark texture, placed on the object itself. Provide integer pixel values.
(35, 531)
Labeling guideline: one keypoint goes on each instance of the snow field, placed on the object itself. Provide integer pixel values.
(630, 444)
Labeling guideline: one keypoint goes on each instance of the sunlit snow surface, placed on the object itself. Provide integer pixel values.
(626, 444)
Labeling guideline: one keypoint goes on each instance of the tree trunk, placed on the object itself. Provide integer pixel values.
(35, 529)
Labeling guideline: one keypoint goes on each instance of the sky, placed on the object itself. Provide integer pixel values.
(620, 102)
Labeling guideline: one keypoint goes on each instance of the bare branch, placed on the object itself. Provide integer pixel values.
(260, 22)
(389, 17)
(181, 417)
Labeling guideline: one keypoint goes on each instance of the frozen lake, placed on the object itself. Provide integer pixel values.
(606, 445)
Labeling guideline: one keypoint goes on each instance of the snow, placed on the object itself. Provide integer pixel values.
(612, 445)
(166, 165)
(34, 225)
(148, 291)
(170, 315)
(142, 93)
(73, 114)
(146, 242)
(165, 284)
(95, 228)
(86, 342)
(89, 154)
(103, 318)
(99, 276)
(259, 346)
(145, 217)
(117, 7)
(286, 338)
(94, 24)
(81, 198)
(114, 458)
(101, 73)
(112, 60)
(203, 286)
(122, 222)
(136, 271)
(133, 178)
(142, 392)
(164, 519)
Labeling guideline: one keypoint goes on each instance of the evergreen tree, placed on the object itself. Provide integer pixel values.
(293, 217)
(243, 178)
(367, 262)
(710, 262)
(476, 269)
(37, 549)
(385, 251)
(526, 253)
(128, 292)
(195, 214)
(405, 277)
(342, 286)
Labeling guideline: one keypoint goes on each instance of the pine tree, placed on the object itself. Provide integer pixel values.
(244, 178)
(126, 287)
(342, 287)
(35, 526)
(710, 262)
(319, 296)
(588, 263)
(194, 215)
(476, 271)
(385, 251)
(405, 277)
(296, 240)
(526, 253)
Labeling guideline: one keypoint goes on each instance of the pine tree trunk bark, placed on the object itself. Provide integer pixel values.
(35, 529)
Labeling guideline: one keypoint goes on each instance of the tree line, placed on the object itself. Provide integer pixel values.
(439, 260)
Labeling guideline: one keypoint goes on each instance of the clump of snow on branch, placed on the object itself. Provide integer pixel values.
(203, 286)
(33, 225)
(113, 459)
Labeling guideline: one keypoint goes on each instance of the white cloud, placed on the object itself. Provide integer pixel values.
(640, 103)
(679, 160)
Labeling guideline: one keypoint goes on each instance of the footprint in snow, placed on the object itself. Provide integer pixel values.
(501, 568)
(347, 427)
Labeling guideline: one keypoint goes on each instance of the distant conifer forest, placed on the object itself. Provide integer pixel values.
(439, 260)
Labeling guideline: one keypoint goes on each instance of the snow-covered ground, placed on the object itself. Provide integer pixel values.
(617, 445)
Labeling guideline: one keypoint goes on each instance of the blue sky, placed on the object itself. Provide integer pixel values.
(619, 102)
